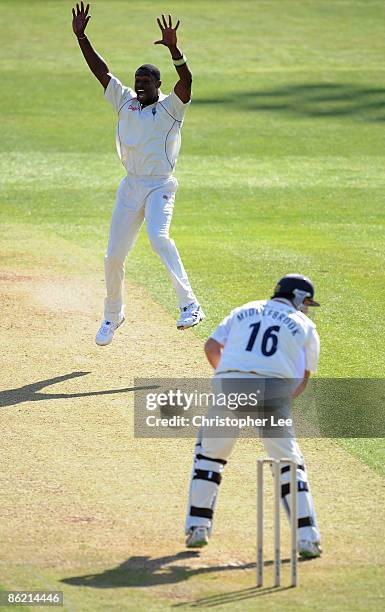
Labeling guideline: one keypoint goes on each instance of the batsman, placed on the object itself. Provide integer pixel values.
(148, 139)
(265, 342)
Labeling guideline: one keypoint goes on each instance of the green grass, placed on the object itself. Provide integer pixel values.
(282, 162)
(281, 166)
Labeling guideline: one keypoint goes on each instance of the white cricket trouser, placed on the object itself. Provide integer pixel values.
(139, 199)
(211, 455)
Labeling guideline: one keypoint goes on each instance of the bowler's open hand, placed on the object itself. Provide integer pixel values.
(80, 18)
(168, 32)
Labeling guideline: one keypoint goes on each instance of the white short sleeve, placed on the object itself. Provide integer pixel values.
(175, 106)
(312, 349)
(221, 333)
(117, 94)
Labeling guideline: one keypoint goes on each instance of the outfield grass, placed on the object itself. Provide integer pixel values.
(282, 163)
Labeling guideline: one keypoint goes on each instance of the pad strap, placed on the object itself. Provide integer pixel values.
(221, 461)
(301, 486)
(201, 512)
(207, 475)
(307, 521)
(287, 468)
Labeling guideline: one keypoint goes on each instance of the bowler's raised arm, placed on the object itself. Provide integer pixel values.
(96, 63)
(169, 39)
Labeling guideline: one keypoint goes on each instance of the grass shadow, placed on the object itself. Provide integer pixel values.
(310, 100)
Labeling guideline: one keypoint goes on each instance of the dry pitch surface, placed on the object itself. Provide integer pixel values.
(92, 511)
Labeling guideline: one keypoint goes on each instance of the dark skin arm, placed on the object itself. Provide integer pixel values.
(302, 385)
(96, 63)
(169, 39)
(213, 350)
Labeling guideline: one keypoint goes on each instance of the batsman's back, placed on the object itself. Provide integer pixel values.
(269, 337)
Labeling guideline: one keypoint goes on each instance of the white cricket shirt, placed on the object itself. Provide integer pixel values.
(270, 338)
(147, 140)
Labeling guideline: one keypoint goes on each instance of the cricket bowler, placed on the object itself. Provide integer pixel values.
(148, 140)
(272, 340)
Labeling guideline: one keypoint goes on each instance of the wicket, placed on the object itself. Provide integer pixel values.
(276, 465)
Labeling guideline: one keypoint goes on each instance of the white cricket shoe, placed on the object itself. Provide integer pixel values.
(308, 549)
(197, 537)
(190, 315)
(106, 332)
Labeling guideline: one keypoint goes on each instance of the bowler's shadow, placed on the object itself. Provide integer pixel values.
(31, 393)
(147, 572)
(143, 571)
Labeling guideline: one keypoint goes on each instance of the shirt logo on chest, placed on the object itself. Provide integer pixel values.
(133, 108)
